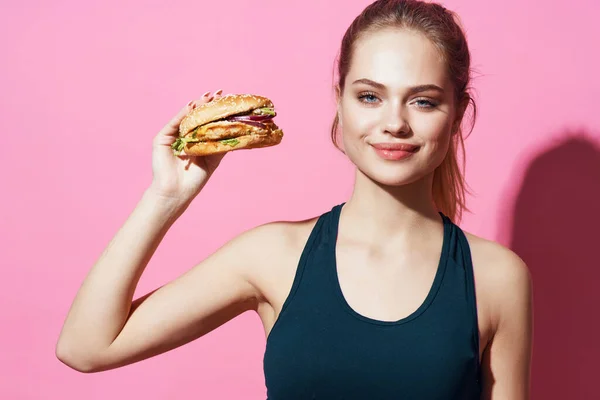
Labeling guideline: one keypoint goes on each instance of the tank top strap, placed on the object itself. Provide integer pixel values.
(311, 272)
(333, 223)
(460, 252)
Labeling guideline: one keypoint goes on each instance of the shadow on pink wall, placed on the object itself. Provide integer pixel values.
(556, 230)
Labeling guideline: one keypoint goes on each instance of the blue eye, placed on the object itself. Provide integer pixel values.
(367, 96)
(422, 103)
(371, 98)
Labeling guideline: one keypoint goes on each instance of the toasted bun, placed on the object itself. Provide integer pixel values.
(271, 138)
(221, 108)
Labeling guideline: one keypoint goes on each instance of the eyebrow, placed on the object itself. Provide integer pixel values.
(411, 91)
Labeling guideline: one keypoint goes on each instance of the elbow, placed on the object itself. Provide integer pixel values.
(74, 359)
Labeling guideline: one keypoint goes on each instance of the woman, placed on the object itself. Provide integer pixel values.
(381, 297)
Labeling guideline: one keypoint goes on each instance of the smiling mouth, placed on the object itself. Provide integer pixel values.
(394, 151)
(404, 147)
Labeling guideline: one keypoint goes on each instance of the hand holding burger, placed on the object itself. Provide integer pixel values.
(201, 133)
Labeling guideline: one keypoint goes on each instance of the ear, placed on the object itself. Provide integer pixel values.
(338, 101)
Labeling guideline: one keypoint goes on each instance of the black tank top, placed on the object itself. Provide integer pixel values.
(320, 348)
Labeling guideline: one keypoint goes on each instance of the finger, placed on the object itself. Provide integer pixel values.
(171, 129)
(206, 97)
(218, 94)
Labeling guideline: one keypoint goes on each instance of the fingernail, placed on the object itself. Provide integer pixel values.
(219, 91)
(190, 103)
(206, 94)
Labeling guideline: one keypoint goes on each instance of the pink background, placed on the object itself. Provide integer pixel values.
(85, 86)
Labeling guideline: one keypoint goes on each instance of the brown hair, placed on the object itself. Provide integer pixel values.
(442, 28)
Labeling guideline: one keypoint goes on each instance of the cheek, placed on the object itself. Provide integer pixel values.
(355, 121)
(353, 139)
(354, 127)
(438, 143)
(431, 127)
(434, 131)
(358, 123)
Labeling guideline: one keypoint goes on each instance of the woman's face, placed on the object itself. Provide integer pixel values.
(397, 110)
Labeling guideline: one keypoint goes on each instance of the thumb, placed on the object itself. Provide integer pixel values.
(170, 131)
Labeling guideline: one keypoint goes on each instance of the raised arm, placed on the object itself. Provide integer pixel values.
(105, 328)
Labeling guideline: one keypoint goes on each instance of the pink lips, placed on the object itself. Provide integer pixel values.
(394, 151)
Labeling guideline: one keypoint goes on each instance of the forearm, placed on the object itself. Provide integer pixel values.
(103, 302)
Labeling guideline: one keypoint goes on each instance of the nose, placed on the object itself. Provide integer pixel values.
(396, 123)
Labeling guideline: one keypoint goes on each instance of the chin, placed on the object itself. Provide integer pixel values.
(393, 176)
(392, 173)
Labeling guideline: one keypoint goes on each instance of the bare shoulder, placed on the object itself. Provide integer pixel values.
(276, 239)
(497, 260)
(274, 250)
(501, 276)
(281, 232)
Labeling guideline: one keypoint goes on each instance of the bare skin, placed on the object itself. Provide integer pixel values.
(390, 236)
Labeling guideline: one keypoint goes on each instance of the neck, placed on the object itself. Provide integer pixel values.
(384, 212)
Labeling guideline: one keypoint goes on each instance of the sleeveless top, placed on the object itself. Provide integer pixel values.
(320, 348)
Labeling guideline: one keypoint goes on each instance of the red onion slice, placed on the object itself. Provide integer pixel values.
(258, 118)
(255, 123)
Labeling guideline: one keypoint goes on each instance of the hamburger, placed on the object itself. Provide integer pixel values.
(231, 122)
